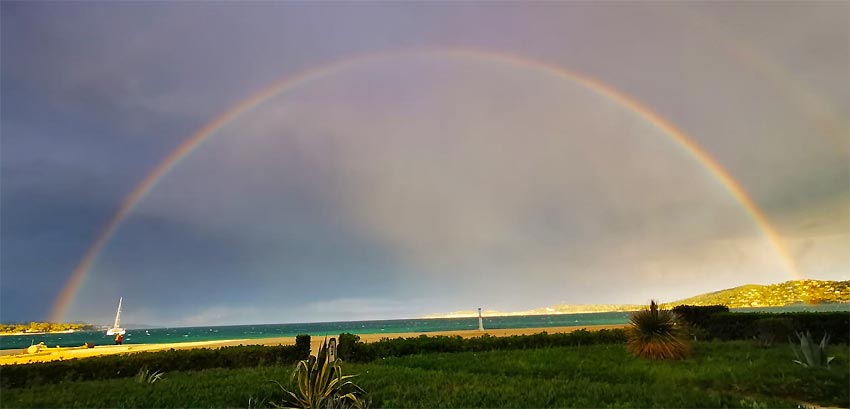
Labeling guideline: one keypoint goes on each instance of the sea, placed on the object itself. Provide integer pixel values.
(248, 332)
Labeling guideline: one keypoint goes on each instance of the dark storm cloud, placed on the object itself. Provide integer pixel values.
(96, 94)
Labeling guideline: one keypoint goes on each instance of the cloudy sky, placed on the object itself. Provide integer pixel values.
(436, 159)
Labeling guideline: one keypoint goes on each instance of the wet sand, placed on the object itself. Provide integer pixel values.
(16, 356)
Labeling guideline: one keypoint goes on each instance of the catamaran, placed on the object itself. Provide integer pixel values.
(115, 328)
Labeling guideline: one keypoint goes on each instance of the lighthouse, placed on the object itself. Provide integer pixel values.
(480, 320)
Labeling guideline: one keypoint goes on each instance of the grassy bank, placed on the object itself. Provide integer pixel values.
(731, 374)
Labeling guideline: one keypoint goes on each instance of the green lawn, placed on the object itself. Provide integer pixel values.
(720, 374)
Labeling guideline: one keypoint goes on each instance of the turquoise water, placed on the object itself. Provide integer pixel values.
(211, 333)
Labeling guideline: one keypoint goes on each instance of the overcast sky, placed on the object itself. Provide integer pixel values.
(414, 183)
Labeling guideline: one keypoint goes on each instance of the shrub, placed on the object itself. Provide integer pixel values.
(320, 384)
(772, 329)
(351, 349)
(810, 354)
(741, 325)
(698, 315)
(694, 318)
(656, 333)
(146, 376)
(128, 365)
(302, 346)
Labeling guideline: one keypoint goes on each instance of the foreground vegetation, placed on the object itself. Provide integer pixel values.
(657, 333)
(717, 374)
(350, 349)
(319, 383)
(607, 368)
(122, 366)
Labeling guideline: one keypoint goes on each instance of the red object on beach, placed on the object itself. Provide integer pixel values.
(119, 339)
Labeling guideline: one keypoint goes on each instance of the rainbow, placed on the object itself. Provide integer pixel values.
(289, 83)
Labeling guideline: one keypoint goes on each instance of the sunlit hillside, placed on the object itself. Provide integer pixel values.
(751, 295)
(775, 295)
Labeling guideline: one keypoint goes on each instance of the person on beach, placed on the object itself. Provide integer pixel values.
(119, 339)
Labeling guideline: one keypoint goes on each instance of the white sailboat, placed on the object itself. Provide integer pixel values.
(115, 328)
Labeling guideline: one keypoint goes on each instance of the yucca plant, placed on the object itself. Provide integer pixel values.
(145, 375)
(812, 355)
(320, 384)
(657, 334)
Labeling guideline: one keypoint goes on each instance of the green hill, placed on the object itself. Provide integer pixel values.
(775, 295)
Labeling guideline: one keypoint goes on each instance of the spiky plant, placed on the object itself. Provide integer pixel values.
(811, 354)
(256, 403)
(657, 334)
(320, 384)
(145, 375)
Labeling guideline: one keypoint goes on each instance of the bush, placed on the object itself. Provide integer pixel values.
(811, 354)
(740, 325)
(694, 317)
(120, 366)
(320, 384)
(657, 334)
(697, 315)
(716, 321)
(349, 347)
(146, 376)
(771, 330)
(302, 345)
(352, 350)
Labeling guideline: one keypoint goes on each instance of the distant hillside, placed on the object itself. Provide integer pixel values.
(751, 295)
(42, 328)
(775, 295)
(553, 310)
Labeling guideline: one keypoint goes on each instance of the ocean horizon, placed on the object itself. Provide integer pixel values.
(258, 331)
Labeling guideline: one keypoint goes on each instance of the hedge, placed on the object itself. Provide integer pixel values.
(351, 349)
(698, 315)
(717, 322)
(128, 365)
(749, 325)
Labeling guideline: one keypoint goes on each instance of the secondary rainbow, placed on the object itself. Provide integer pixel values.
(66, 296)
(831, 124)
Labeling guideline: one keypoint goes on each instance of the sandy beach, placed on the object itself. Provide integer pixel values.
(17, 356)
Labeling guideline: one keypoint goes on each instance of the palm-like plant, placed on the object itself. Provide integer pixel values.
(657, 334)
(320, 384)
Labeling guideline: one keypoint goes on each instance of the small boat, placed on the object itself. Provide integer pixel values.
(116, 329)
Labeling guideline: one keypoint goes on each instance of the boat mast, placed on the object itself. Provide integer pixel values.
(118, 314)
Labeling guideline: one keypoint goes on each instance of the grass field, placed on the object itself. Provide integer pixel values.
(719, 374)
